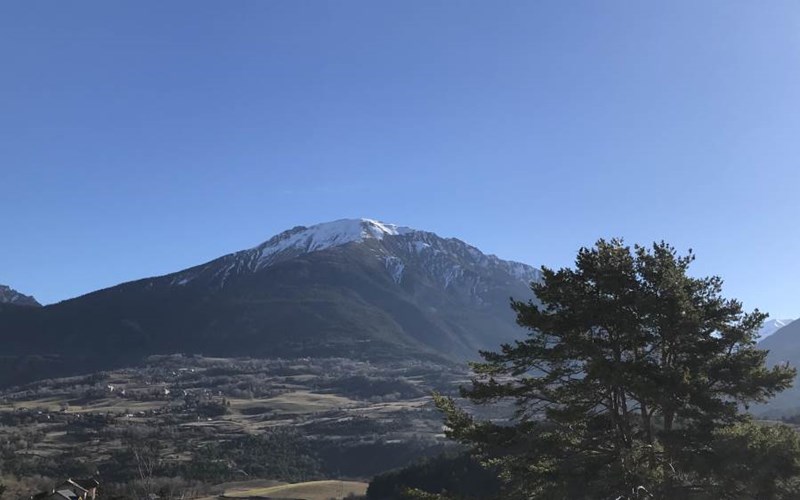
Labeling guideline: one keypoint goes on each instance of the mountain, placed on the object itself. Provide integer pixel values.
(771, 326)
(783, 347)
(10, 296)
(355, 288)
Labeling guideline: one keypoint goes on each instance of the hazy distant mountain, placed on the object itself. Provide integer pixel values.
(771, 326)
(784, 347)
(355, 288)
(10, 296)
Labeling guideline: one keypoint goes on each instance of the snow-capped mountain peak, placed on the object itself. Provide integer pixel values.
(446, 258)
(359, 288)
(771, 326)
(301, 239)
(399, 250)
(329, 234)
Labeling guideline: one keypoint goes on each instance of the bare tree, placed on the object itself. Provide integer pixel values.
(147, 459)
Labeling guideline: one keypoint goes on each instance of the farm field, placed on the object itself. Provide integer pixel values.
(310, 490)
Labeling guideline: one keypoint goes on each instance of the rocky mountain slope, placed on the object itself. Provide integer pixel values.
(784, 347)
(353, 288)
(10, 296)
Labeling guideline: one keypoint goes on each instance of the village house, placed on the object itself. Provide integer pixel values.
(71, 489)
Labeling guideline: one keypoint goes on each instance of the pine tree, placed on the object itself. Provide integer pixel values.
(630, 371)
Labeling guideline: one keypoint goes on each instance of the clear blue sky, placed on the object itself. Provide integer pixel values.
(139, 138)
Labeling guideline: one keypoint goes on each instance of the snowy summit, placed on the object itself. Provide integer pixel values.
(446, 261)
(771, 326)
(330, 234)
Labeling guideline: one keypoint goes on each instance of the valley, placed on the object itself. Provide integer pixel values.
(280, 250)
(310, 357)
(308, 367)
(211, 421)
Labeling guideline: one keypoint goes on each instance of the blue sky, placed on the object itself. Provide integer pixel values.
(139, 138)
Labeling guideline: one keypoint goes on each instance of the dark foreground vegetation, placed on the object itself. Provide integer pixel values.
(458, 475)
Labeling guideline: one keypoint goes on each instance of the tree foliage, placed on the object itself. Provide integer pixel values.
(461, 476)
(631, 373)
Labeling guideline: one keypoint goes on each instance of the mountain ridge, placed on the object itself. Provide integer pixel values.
(784, 348)
(10, 296)
(771, 326)
(353, 288)
(308, 239)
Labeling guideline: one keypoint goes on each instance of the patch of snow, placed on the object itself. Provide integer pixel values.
(522, 272)
(379, 229)
(395, 267)
(182, 279)
(327, 235)
(452, 274)
(771, 326)
(475, 253)
(419, 246)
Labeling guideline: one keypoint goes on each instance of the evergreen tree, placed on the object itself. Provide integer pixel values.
(632, 372)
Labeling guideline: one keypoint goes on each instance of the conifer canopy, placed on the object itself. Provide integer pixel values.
(633, 382)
